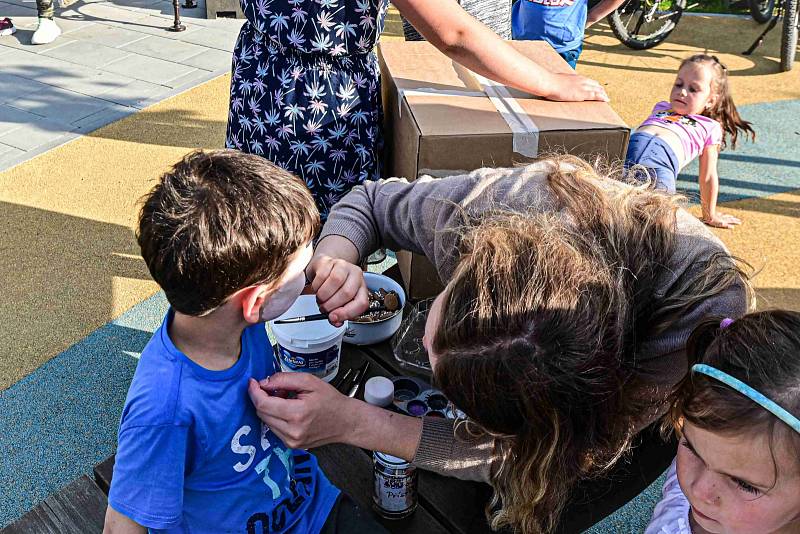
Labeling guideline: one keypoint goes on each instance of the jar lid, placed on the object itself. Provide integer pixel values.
(379, 391)
(394, 461)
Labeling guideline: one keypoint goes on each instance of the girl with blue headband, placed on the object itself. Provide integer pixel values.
(737, 414)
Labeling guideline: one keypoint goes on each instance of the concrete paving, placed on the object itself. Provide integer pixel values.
(113, 59)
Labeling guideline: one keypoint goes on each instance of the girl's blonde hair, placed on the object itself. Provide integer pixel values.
(544, 318)
(724, 110)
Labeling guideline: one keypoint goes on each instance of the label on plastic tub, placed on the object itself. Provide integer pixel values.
(320, 364)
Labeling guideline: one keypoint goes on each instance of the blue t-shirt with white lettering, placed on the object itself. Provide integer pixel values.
(559, 22)
(193, 456)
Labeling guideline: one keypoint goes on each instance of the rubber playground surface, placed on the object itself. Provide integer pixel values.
(78, 304)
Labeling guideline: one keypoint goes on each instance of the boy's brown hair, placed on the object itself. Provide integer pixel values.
(220, 221)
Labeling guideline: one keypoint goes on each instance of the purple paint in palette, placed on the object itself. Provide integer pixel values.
(415, 397)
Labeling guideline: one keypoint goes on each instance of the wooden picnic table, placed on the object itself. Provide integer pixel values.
(446, 505)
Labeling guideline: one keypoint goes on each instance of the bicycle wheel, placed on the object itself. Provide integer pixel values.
(761, 10)
(642, 24)
(789, 35)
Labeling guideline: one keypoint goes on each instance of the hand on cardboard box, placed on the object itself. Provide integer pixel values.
(575, 88)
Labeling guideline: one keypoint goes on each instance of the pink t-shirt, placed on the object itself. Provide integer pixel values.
(696, 132)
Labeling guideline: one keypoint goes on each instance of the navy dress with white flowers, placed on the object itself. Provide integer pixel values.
(305, 90)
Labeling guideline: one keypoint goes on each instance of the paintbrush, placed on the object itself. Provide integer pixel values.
(357, 379)
(320, 316)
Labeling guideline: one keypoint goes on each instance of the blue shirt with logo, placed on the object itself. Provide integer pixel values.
(193, 456)
(559, 22)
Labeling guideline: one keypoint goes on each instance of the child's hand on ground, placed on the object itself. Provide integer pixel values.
(721, 220)
(340, 288)
(576, 88)
(315, 415)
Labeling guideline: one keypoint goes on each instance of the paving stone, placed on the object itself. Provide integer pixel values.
(67, 25)
(102, 118)
(106, 36)
(22, 39)
(13, 87)
(192, 79)
(148, 69)
(136, 94)
(102, 11)
(214, 38)
(162, 48)
(59, 104)
(151, 7)
(26, 3)
(70, 76)
(8, 151)
(136, 5)
(153, 25)
(88, 54)
(211, 59)
(17, 10)
(12, 118)
(198, 16)
(35, 133)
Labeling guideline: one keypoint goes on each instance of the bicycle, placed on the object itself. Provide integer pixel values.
(643, 24)
(787, 10)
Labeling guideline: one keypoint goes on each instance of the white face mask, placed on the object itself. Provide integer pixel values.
(283, 298)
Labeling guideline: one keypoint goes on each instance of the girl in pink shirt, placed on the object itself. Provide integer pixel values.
(694, 123)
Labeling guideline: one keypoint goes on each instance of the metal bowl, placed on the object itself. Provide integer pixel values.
(377, 331)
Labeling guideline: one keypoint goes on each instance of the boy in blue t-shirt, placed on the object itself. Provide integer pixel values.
(559, 22)
(227, 236)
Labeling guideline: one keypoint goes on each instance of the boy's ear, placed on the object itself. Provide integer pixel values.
(252, 300)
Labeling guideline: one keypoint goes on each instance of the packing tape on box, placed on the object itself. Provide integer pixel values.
(525, 133)
(428, 91)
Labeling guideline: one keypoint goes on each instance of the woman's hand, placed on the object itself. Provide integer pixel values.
(317, 414)
(340, 288)
(575, 88)
(722, 220)
(461, 37)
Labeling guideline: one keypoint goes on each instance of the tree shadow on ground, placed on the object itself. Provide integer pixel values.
(60, 276)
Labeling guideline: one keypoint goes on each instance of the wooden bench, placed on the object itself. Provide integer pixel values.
(78, 508)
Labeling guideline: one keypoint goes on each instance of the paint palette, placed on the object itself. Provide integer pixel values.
(407, 342)
(415, 397)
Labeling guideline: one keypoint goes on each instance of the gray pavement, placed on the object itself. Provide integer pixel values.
(114, 58)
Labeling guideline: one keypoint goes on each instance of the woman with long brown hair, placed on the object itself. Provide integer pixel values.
(559, 334)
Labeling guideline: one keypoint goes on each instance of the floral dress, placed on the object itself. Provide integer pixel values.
(305, 91)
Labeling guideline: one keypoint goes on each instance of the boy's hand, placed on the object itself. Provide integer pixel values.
(316, 415)
(721, 220)
(340, 288)
(575, 88)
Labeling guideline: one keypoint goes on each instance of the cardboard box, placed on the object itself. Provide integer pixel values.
(442, 119)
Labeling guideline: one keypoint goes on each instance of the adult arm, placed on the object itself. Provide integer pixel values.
(602, 10)
(318, 414)
(461, 37)
(392, 213)
(422, 216)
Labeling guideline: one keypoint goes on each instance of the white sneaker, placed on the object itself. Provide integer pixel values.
(46, 32)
